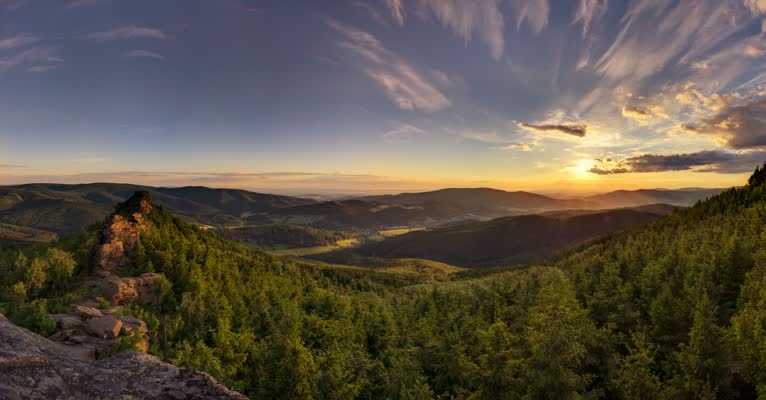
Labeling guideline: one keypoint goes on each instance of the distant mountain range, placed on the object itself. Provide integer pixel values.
(633, 198)
(65, 209)
(58, 209)
(482, 200)
(510, 240)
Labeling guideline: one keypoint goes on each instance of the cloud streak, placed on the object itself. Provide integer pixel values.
(83, 3)
(578, 130)
(396, 7)
(588, 12)
(128, 32)
(17, 41)
(35, 55)
(403, 132)
(11, 5)
(402, 83)
(533, 12)
(144, 54)
(668, 32)
(465, 19)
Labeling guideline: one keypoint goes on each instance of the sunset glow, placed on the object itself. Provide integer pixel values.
(377, 95)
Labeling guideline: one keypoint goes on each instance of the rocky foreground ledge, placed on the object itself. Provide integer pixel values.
(32, 367)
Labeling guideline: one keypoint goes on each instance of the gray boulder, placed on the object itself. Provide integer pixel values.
(106, 327)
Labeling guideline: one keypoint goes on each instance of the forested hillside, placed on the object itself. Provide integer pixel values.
(287, 236)
(509, 240)
(674, 310)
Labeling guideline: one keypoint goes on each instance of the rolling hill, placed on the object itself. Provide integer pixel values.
(65, 209)
(672, 309)
(511, 240)
(633, 198)
(481, 201)
(283, 236)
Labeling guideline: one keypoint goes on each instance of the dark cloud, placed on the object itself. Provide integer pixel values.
(739, 127)
(635, 110)
(578, 130)
(702, 161)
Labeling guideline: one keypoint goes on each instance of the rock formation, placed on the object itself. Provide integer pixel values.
(95, 328)
(144, 289)
(83, 359)
(93, 333)
(35, 368)
(121, 232)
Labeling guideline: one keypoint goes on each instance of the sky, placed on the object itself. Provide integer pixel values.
(372, 96)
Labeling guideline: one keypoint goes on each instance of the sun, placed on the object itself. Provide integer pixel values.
(581, 169)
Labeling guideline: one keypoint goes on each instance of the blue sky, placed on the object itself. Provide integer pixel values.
(383, 95)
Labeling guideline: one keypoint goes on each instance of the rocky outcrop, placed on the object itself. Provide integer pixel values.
(87, 312)
(35, 368)
(93, 328)
(144, 289)
(94, 333)
(121, 232)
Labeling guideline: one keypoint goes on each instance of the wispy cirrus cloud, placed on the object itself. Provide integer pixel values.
(372, 11)
(702, 161)
(396, 7)
(589, 12)
(17, 41)
(144, 54)
(34, 55)
(83, 3)
(12, 4)
(498, 141)
(404, 85)
(533, 12)
(402, 132)
(128, 32)
(490, 137)
(465, 18)
(668, 31)
(42, 68)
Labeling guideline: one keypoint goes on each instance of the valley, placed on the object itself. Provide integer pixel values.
(252, 303)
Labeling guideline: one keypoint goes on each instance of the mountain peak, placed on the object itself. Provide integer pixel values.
(140, 202)
(121, 232)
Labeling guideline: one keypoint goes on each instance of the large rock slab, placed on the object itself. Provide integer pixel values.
(106, 327)
(67, 321)
(87, 312)
(35, 368)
